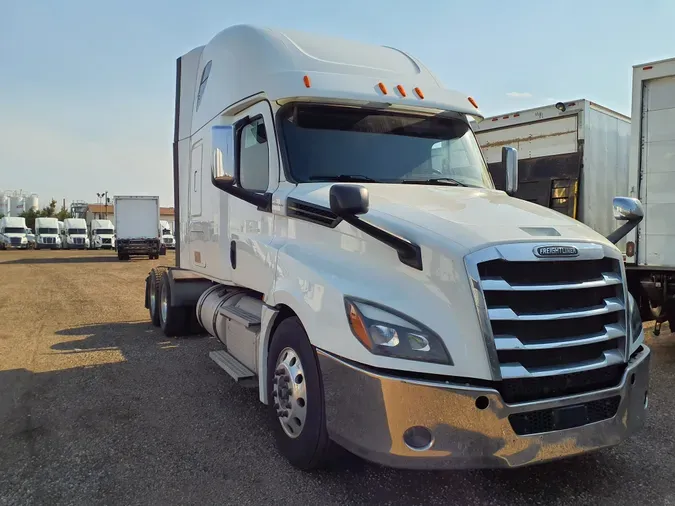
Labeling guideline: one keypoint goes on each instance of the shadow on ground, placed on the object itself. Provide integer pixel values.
(167, 426)
(63, 260)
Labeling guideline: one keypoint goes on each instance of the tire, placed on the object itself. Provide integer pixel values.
(310, 448)
(172, 319)
(154, 281)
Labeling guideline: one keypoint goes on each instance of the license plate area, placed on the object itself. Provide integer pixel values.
(570, 416)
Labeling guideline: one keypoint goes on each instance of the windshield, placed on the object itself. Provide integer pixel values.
(166, 231)
(15, 230)
(326, 143)
(104, 231)
(73, 231)
(47, 231)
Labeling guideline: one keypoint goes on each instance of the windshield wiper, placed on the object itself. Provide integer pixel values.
(344, 177)
(438, 180)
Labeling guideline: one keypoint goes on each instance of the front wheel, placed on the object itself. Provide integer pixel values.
(295, 399)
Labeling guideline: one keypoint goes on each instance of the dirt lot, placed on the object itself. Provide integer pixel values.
(97, 407)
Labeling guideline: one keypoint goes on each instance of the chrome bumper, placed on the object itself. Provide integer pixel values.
(368, 414)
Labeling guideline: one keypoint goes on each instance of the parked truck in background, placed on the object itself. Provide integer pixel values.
(572, 157)
(74, 234)
(47, 233)
(101, 234)
(339, 232)
(13, 232)
(168, 239)
(650, 255)
(137, 226)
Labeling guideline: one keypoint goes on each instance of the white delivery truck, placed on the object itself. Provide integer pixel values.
(137, 226)
(101, 234)
(168, 240)
(572, 157)
(13, 232)
(47, 233)
(650, 256)
(378, 297)
(74, 234)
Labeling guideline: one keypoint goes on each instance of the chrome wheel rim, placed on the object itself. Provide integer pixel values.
(289, 392)
(164, 303)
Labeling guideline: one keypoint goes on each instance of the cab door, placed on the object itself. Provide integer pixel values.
(250, 229)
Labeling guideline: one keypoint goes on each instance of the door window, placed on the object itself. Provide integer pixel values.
(254, 162)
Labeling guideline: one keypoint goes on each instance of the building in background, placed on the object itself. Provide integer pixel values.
(15, 202)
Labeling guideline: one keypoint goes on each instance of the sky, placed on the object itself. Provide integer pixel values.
(87, 87)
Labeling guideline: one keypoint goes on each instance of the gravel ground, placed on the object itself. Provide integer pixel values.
(97, 407)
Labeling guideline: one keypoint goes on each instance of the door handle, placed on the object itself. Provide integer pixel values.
(233, 254)
(194, 184)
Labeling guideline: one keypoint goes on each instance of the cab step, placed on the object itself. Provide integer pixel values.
(241, 374)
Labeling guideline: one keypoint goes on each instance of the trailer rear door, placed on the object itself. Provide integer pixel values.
(657, 167)
(549, 160)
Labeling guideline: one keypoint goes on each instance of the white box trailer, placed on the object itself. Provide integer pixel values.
(650, 261)
(338, 232)
(137, 226)
(572, 157)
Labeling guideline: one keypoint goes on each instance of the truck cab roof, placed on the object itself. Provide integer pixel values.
(288, 65)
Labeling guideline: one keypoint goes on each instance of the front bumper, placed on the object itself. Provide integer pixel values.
(368, 413)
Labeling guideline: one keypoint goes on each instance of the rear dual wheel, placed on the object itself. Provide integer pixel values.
(173, 320)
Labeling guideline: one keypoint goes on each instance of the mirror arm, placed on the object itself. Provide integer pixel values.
(409, 253)
(263, 201)
(622, 231)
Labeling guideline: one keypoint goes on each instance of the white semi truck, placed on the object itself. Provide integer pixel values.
(74, 234)
(13, 232)
(137, 226)
(168, 239)
(650, 258)
(379, 296)
(47, 233)
(101, 234)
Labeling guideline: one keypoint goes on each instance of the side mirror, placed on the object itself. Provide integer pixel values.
(510, 164)
(222, 156)
(628, 209)
(349, 200)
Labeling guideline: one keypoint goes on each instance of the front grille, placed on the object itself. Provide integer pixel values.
(167, 240)
(106, 241)
(548, 420)
(49, 240)
(531, 389)
(78, 240)
(558, 326)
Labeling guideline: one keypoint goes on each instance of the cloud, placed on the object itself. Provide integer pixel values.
(519, 94)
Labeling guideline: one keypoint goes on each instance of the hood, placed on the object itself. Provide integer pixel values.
(471, 218)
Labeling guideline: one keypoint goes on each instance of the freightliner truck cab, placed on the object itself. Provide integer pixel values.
(339, 232)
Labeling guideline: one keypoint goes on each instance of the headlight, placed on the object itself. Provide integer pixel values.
(386, 332)
(635, 322)
(58, 239)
